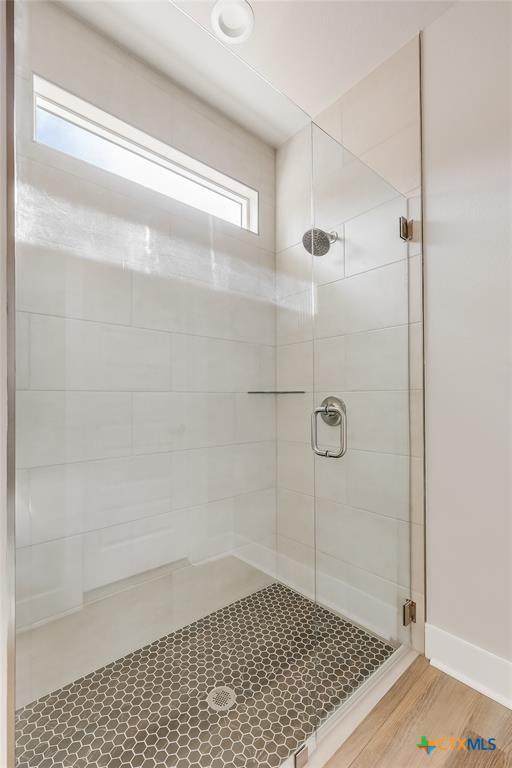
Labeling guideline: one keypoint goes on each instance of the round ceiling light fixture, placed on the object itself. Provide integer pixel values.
(232, 20)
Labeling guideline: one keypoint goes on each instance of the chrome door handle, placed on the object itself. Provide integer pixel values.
(334, 413)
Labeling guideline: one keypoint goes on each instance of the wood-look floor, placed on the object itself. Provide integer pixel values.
(427, 702)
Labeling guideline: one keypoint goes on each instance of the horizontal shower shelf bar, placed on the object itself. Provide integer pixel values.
(277, 392)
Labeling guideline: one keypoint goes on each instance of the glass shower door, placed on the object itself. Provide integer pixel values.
(361, 437)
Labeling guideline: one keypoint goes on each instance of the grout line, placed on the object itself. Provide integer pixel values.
(347, 505)
(165, 331)
(394, 584)
(317, 339)
(127, 456)
(216, 393)
(171, 511)
(361, 450)
(341, 224)
(350, 334)
(318, 285)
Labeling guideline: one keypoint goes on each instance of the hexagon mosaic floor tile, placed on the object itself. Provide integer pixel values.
(282, 665)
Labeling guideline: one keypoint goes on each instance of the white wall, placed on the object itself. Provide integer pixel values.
(141, 326)
(467, 93)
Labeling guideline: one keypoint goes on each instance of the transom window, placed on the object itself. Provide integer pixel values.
(71, 125)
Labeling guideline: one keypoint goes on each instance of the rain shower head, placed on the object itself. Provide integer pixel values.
(317, 242)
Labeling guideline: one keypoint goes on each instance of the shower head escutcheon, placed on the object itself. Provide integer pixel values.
(317, 242)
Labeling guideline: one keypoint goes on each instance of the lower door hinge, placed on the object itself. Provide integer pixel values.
(406, 228)
(409, 612)
(302, 757)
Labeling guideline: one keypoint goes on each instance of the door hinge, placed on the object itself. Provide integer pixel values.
(302, 757)
(406, 228)
(409, 612)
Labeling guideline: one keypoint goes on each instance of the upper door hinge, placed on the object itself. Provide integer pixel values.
(406, 228)
(409, 612)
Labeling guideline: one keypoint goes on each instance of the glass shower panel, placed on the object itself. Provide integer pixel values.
(162, 577)
(361, 358)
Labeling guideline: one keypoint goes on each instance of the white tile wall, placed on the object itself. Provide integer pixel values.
(58, 427)
(377, 421)
(22, 355)
(376, 482)
(371, 239)
(296, 565)
(379, 119)
(255, 519)
(293, 417)
(295, 366)
(48, 580)
(293, 189)
(343, 186)
(295, 318)
(296, 516)
(74, 354)
(212, 529)
(369, 360)
(120, 551)
(51, 281)
(347, 314)
(371, 300)
(372, 542)
(295, 467)
(142, 324)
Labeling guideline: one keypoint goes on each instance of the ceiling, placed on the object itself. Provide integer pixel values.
(312, 51)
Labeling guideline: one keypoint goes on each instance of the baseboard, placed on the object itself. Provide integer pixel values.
(474, 666)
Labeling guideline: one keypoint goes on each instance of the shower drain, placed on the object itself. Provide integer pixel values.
(221, 698)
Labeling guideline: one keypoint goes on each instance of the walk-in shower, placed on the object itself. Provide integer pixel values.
(212, 425)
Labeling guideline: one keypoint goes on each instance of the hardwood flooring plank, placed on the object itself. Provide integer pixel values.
(427, 702)
(496, 759)
(493, 719)
(429, 710)
(378, 715)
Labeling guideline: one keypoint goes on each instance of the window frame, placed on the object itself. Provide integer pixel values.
(75, 110)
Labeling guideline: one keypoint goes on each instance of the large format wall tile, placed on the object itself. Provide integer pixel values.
(296, 516)
(372, 360)
(176, 304)
(295, 467)
(343, 186)
(121, 551)
(165, 421)
(375, 299)
(374, 543)
(54, 281)
(371, 240)
(295, 366)
(60, 427)
(68, 499)
(73, 354)
(295, 318)
(48, 580)
(293, 417)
